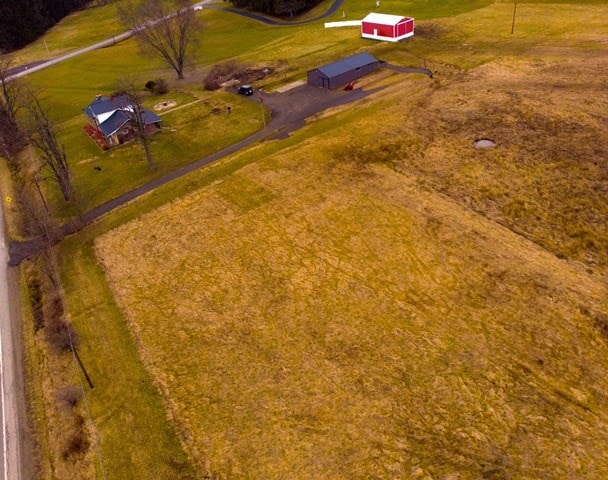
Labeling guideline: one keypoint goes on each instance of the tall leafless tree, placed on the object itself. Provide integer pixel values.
(10, 91)
(136, 114)
(42, 136)
(12, 137)
(162, 32)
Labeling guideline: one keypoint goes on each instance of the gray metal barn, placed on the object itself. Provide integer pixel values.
(343, 71)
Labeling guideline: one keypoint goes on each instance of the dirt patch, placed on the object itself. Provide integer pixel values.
(484, 143)
(164, 105)
(290, 86)
(430, 30)
(232, 73)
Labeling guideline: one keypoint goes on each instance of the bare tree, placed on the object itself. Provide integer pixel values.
(137, 116)
(10, 91)
(163, 33)
(42, 136)
(12, 137)
(36, 217)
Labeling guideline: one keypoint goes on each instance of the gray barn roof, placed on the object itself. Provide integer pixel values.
(347, 64)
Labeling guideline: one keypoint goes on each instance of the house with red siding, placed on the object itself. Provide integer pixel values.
(391, 28)
(112, 118)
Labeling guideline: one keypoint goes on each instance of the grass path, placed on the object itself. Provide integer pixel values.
(114, 365)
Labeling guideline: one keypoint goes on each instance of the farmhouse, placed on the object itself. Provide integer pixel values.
(111, 119)
(392, 28)
(343, 71)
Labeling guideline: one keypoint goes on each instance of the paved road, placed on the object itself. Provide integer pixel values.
(11, 379)
(23, 70)
(35, 67)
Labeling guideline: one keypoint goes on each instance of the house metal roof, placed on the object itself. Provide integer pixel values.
(113, 113)
(384, 18)
(102, 105)
(346, 64)
(114, 122)
(150, 117)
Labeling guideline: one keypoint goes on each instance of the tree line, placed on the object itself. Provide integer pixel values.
(23, 21)
(281, 8)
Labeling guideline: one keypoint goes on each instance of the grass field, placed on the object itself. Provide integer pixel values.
(362, 306)
(334, 320)
(78, 30)
(370, 297)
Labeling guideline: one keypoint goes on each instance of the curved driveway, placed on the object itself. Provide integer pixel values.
(302, 102)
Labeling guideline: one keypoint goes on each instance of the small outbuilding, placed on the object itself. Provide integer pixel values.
(391, 28)
(343, 71)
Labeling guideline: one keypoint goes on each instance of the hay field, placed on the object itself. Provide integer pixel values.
(374, 298)
(547, 178)
(309, 317)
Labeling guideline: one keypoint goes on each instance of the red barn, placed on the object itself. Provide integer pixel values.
(391, 28)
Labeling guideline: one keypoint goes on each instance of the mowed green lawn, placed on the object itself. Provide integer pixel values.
(390, 333)
(196, 127)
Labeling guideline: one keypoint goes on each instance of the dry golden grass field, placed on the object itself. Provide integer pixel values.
(375, 298)
(355, 309)
(309, 320)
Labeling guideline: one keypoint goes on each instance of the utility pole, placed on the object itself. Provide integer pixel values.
(46, 207)
(513, 23)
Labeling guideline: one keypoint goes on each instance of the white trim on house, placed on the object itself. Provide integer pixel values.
(102, 117)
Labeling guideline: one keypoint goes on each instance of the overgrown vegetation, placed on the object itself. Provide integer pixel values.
(57, 342)
(223, 72)
(12, 136)
(160, 86)
(232, 72)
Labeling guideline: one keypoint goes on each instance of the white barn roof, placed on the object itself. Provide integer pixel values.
(383, 18)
